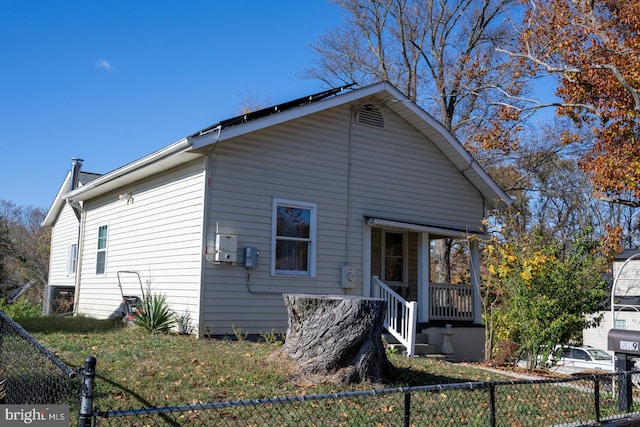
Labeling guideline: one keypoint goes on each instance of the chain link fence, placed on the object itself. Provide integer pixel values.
(31, 374)
(577, 401)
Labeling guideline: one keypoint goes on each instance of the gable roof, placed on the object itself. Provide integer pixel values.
(264, 112)
(382, 92)
(195, 145)
(83, 179)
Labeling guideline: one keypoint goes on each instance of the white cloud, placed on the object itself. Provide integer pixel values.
(104, 65)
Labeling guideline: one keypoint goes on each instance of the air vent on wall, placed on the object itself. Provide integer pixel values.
(370, 115)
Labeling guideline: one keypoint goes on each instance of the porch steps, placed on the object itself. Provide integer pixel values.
(423, 348)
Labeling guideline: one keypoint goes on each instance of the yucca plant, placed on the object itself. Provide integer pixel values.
(155, 315)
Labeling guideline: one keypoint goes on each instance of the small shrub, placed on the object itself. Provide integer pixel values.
(206, 331)
(240, 336)
(185, 323)
(68, 324)
(505, 353)
(155, 314)
(388, 349)
(21, 308)
(273, 337)
(391, 350)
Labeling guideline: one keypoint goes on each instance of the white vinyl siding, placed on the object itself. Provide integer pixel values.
(628, 280)
(64, 234)
(350, 172)
(412, 180)
(157, 234)
(628, 284)
(598, 336)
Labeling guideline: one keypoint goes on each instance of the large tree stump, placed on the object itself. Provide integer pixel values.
(339, 337)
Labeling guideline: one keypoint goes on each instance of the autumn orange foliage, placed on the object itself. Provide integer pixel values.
(594, 45)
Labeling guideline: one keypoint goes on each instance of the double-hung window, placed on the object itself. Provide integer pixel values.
(72, 259)
(101, 258)
(293, 238)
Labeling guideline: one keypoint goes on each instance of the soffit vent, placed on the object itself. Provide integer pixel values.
(370, 115)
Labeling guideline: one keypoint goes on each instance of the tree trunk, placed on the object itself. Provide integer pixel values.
(442, 260)
(336, 336)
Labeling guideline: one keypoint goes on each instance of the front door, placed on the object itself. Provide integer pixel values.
(394, 261)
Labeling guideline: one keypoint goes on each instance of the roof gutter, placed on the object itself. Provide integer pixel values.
(206, 137)
(81, 193)
(58, 202)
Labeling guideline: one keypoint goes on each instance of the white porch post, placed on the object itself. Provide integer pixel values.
(474, 248)
(366, 261)
(423, 277)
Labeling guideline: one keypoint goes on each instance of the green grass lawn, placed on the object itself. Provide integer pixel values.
(136, 369)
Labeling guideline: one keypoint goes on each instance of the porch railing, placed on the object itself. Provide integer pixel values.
(401, 316)
(450, 302)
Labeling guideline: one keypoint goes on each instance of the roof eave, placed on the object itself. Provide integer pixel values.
(217, 134)
(493, 195)
(170, 156)
(58, 203)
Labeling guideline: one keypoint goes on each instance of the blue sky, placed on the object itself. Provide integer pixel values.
(112, 81)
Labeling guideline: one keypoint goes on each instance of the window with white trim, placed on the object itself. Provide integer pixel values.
(72, 259)
(101, 255)
(293, 242)
(621, 324)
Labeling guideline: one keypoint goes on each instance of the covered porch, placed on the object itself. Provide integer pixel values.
(427, 307)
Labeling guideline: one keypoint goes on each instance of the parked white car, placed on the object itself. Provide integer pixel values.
(572, 360)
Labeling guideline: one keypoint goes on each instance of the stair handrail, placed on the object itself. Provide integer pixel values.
(401, 315)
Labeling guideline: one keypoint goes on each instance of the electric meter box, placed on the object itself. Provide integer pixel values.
(348, 277)
(226, 248)
(251, 257)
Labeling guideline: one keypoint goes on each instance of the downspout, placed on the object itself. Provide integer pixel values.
(203, 244)
(76, 165)
(207, 196)
(81, 213)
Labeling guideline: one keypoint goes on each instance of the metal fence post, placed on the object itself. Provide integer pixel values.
(492, 404)
(407, 407)
(596, 396)
(624, 364)
(86, 401)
